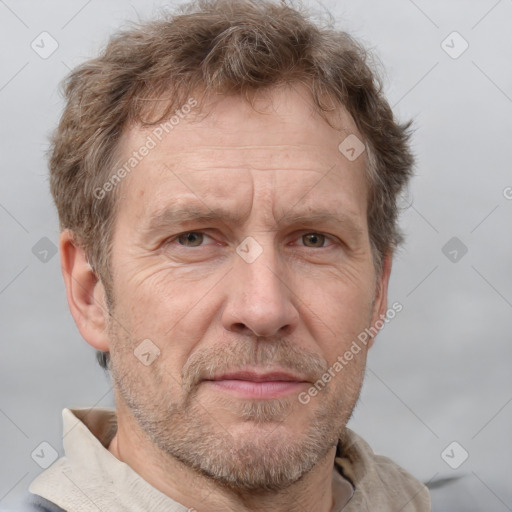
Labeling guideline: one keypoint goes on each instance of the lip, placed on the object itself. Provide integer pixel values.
(255, 385)
(253, 376)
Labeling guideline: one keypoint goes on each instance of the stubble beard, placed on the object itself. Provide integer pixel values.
(266, 455)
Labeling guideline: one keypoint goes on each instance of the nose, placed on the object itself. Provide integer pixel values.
(260, 300)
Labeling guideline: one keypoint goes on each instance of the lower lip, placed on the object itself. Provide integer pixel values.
(257, 390)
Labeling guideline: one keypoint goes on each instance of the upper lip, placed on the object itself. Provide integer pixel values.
(258, 376)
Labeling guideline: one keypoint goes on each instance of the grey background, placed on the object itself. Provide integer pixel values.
(440, 372)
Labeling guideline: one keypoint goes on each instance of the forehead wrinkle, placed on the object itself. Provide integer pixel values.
(262, 158)
(194, 170)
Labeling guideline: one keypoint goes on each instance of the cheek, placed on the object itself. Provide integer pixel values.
(143, 366)
(337, 314)
(173, 313)
(155, 297)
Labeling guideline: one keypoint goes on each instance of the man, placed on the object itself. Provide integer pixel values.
(226, 180)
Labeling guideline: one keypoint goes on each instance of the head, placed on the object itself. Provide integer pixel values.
(215, 221)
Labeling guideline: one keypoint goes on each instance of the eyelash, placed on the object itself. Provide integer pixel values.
(331, 238)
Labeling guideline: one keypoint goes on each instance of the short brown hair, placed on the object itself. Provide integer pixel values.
(217, 46)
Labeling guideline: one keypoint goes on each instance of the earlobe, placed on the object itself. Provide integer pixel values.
(85, 293)
(381, 295)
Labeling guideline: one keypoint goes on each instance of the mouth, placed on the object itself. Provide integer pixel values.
(257, 385)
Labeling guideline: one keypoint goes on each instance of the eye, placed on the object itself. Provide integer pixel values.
(315, 240)
(197, 238)
(191, 238)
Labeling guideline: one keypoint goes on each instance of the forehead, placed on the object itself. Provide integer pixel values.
(284, 143)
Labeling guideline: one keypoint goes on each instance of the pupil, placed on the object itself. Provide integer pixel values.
(314, 239)
(191, 238)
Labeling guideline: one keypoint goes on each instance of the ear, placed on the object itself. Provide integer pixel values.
(381, 295)
(85, 293)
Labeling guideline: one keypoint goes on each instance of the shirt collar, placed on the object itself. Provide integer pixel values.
(95, 479)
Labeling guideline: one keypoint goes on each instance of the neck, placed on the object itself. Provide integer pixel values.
(312, 493)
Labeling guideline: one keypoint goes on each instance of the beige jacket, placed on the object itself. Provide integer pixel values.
(89, 478)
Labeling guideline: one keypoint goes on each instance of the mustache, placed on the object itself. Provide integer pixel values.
(208, 362)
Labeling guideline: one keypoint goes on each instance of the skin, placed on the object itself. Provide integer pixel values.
(295, 309)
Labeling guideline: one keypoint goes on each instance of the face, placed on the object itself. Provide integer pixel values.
(241, 252)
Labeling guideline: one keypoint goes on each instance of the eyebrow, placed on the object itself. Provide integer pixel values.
(180, 215)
